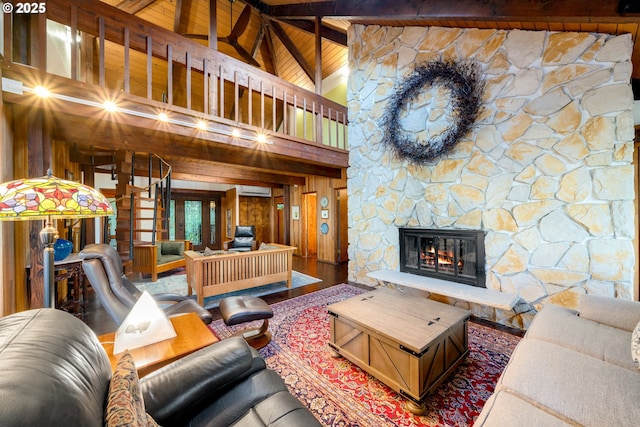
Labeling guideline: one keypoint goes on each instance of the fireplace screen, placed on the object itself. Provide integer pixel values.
(446, 254)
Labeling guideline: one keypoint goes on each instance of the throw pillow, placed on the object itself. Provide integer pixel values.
(125, 406)
(635, 346)
(264, 246)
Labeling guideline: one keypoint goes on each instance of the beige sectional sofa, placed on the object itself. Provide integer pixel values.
(571, 368)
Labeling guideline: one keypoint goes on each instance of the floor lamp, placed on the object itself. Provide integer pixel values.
(46, 198)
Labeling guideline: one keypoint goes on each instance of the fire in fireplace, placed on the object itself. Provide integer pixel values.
(456, 255)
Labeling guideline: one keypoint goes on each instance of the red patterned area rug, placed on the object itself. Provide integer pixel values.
(341, 394)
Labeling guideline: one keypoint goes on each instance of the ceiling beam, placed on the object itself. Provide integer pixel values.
(213, 24)
(291, 47)
(325, 32)
(230, 174)
(181, 16)
(210, 172)
(267, 49)
(464, 10)
(134, 6)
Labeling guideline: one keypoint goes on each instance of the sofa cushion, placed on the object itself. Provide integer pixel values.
(579, 387)
(242, 242)
(616, 312)
(261, 400)
(125, 406)
(169, 258)
(504, 409)
(54, 370)
(171, 248)
(265, 246)
(635, 346)
(586, 336)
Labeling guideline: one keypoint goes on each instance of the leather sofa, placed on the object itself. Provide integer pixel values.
(571, 368)
(55, 372)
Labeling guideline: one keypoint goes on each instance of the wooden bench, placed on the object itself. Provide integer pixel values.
(165, 255)
(209, 275)
(490, 297)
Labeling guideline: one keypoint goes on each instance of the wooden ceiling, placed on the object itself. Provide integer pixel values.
(288, 26)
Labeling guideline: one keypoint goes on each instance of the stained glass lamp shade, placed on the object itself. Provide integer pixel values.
(44, 198)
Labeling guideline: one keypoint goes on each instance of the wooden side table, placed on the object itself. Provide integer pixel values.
(192, 335)
(69, 268)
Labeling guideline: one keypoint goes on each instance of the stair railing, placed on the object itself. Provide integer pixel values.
(159, 190)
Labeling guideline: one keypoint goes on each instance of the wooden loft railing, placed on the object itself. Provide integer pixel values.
(122, 53)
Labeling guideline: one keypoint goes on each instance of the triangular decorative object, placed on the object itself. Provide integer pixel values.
(145, 324)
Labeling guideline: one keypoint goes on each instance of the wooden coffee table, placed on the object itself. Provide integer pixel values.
(192, 335)
(408, 342)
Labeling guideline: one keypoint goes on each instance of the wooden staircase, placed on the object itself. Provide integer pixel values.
(142, 211)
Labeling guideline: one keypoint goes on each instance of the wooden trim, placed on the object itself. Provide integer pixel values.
(464, 10)
(101, 65)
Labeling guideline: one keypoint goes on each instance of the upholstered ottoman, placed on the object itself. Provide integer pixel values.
(238, 310)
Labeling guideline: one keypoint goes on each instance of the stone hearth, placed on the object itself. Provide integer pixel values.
(546, 172)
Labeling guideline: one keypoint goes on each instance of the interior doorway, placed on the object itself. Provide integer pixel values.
(309, 224)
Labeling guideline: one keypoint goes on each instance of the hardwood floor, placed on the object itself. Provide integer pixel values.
(101, 323)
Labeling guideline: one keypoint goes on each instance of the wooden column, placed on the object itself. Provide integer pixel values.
(318, 39)
(287, 215)
(89, 224)
(35, 126)
(7, 261)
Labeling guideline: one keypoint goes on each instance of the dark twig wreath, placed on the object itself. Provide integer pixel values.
(466, 86)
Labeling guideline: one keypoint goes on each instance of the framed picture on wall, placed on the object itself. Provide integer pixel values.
(324, 213)
(295, 212)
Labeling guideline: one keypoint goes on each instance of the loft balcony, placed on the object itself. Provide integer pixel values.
(117, 82)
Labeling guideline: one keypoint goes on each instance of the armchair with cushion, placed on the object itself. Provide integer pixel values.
(55, 372)
(165, 255)
(103, 267)
(244, 239)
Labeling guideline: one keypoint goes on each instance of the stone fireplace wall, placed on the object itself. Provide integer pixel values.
(546, 171)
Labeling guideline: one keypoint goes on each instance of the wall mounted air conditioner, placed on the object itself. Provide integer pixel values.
(248, 190)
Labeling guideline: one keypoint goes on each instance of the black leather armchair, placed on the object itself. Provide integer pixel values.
(244, 239)
(56, 373)
(103, 267)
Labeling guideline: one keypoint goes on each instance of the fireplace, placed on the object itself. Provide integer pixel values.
(456, 255)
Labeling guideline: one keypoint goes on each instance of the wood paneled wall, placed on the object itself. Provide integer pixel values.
(257, 211)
